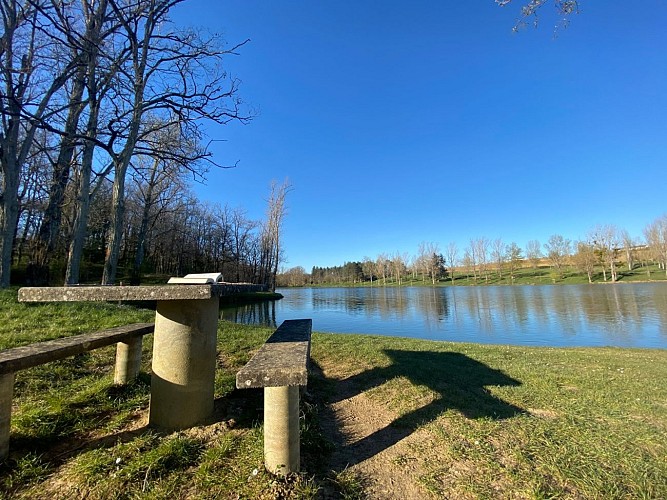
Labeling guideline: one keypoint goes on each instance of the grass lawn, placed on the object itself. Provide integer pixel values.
(467, 420)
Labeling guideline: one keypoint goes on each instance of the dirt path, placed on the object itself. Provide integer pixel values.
(378, 456)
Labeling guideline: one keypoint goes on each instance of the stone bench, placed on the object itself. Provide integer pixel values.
(280, 367)
(128, 340)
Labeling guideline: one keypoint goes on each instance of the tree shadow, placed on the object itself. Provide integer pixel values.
(63, 433)
(457, 382)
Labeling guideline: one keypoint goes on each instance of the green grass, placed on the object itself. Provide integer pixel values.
(515, 421)
(502, 421)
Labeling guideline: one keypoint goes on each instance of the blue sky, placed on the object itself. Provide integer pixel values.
(403, 122)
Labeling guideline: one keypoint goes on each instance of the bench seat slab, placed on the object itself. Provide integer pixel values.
(282, 360)
(20, 358)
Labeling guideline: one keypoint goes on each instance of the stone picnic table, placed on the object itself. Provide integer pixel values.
(184, 344)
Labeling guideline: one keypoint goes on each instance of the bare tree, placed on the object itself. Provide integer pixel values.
(419, 263)
(241, 233)
(271, 235)
(606, 241)
(368, 268)
(472, 258)
(498, 255)
(382, 267)
(76, 31)
(628, 248)
(29, 79)
(514, 258)
(428, 259)
(584, 259)
(99, 80)
(398, 267)
(534, 253)
(482, 254)
(32, 192)
(294, 276)
(156, 184)
(169, 73)
(452, 253)
(656, 239)
(558, 249)
(530, 9)
(468, 262)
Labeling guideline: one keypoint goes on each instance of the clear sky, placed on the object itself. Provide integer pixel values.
(402, 122)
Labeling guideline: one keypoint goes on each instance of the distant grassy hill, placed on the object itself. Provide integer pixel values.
(542, 275)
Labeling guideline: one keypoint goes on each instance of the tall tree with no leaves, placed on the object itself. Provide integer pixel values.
(272, 233)
(498, 255)
(605, 239)
(170, 72)
(452, 255)
(557, 251)
(656, 239)
(514, 258)
(29, 81)
(534, 253)
(77, 32)
(584, 259)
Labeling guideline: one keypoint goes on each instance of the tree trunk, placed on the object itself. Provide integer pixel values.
(143, 229)
(8, 219)
(614, 275)
(75, 254)
(116, 230)
(45, 244)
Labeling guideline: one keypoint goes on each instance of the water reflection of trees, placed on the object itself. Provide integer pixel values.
(432, 305)
(617, 311)
(261, 313)
(386, 303)
(607, 314)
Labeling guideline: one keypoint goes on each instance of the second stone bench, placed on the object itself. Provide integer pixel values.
(128, 340)
(280, 367)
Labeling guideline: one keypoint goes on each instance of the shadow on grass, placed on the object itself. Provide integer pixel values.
(457, 382)
(51, 429)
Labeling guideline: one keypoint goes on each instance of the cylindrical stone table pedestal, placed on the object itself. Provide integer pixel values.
(184, 352)
(281, 429)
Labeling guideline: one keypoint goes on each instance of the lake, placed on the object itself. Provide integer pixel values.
(623, 315)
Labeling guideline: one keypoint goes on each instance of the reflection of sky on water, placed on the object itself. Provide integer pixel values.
(575, 315)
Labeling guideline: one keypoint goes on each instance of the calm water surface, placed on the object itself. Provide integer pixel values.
(624, 315)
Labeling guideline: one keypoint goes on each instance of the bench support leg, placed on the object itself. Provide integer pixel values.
(281, 429)
(184, 353)
(6, 393)
(128, 360)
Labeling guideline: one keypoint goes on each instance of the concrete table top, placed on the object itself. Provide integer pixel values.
(133, 293)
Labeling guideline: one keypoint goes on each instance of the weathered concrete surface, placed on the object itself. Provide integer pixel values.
(6, 392)
(19, 358)
(282, 360)
(128, 360)
(133, 293)
(281, 429)
(184, 353)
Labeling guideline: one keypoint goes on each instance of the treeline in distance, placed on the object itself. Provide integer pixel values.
(604, 255)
